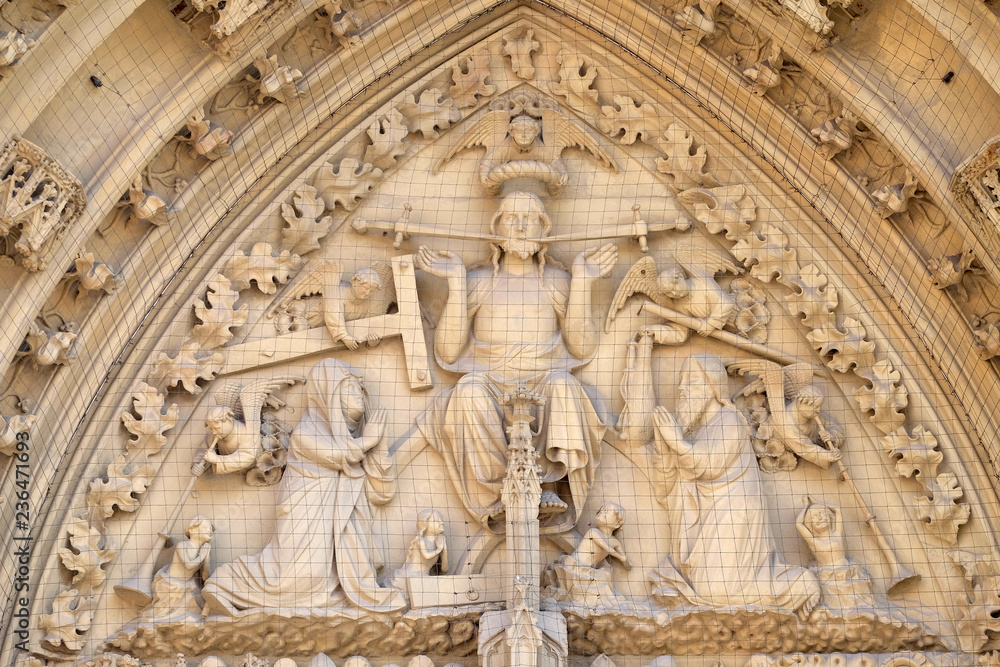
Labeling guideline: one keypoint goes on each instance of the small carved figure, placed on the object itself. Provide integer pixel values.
(584, 576)
(844, 584)
(176, 587)
(204, 138)
(794, 429)
(699, 296)
(236, 424)
(525, 136)
(370, 292)
(427, 549)
(719, 500)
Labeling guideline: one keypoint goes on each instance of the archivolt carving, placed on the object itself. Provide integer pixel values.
(767, 261)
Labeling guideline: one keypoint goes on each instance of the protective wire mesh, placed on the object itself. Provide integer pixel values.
(668, 319)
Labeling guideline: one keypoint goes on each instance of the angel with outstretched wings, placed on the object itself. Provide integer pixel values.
(526, 138)
(235, 424)
(694, 294)
(793, 427)
(371, 291)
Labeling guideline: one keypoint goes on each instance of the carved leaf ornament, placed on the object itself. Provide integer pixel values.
(219, 315)
(263, 267)
(630, 120)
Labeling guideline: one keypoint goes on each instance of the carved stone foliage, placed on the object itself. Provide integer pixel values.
(39, 200)
(13, 46)
(88, 549)
(986, 331)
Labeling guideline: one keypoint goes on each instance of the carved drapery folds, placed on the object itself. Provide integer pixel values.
(39, 200)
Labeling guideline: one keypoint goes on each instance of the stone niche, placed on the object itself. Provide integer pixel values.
(524, 369)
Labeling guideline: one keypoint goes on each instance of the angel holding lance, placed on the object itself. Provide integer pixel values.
(370, 292)
(698, 296)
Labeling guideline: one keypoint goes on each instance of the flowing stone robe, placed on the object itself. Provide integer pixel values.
(322, 549)
(466, 424)
(722, 551)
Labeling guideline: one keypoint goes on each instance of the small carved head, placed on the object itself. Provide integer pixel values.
(673, 284)
(220, 421)
(610, 517)
(364, 282)
(430, 522)
(353, 398)
(200, 529)
(818, 519)
(519, 220)
(524, 130)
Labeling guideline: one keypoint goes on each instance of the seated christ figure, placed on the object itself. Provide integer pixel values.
(519, 320)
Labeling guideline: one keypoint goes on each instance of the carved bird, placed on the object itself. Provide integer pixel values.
(698, 296)
(526, 138)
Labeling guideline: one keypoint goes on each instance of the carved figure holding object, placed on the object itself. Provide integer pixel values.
(427, 549)
(796, 428)
(524, 136)
(370, 292)
(585, 575)
(715, 467)
(176, 587)
(235, 424)
(322, 554)
(698, 296)
(519, 320)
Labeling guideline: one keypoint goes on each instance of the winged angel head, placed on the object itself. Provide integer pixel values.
(524, 135)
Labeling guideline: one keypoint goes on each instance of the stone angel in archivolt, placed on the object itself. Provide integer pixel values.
(525, 136)
(371, 291)
(238, 443)
(689, 291)
(793, 429)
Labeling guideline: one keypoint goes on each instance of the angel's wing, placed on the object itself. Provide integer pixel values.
(255, 395)
(700, 261)
(312, 280)
(490, 132)
(379, 301)
(559, 132)
(640, 278)
(229, 397)
(798, 376)
(771, 381)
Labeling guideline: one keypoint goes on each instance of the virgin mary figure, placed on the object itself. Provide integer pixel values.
(322, 554)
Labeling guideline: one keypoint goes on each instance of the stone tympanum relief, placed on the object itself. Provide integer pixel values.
(570, 368)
